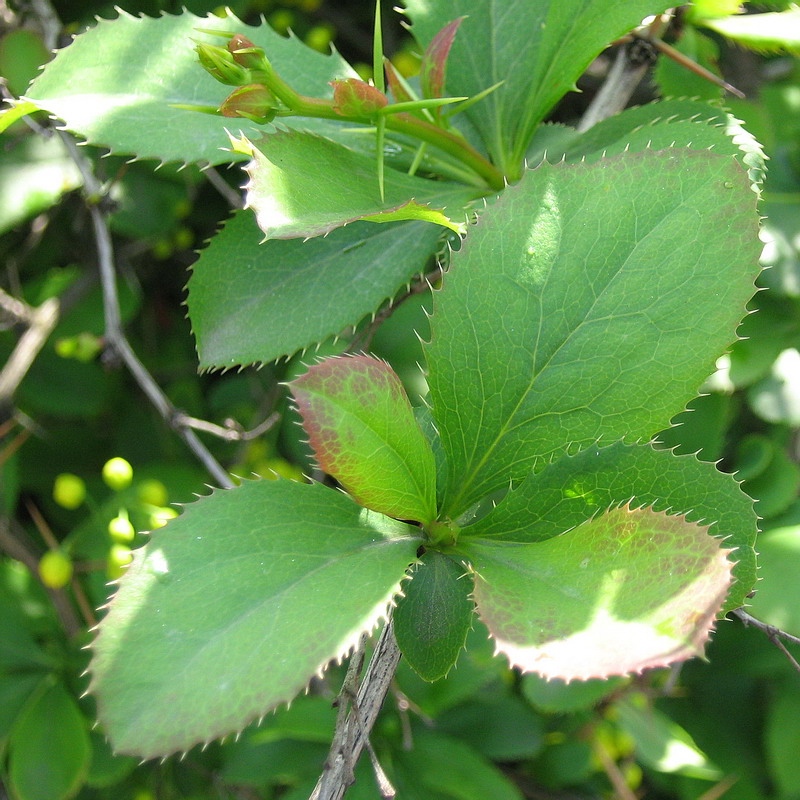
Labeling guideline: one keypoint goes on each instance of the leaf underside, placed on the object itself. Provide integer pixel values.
(574, 488)
(578, 277)
(433, 617)
(305, 185)
(127, 103)
(234, 606)
(363, 432)
(290, 294)
(625, 591)
(764, 33)
(538, 49)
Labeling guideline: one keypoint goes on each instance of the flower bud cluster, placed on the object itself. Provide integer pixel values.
(244, 65)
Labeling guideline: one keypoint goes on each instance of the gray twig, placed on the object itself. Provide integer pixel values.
(233, 197)
(40, 322)
(627, 71)
(114, 334)
(772, 633)
(353, 736)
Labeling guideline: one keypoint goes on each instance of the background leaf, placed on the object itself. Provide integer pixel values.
(628, 590)
(51, 724)
(363, 432)
(539, 50)
(764, 33)
(290, 294)
(432, 620)
(117, 83)
(574, 488)
(304, 185)
(578, 276)
(234, 606)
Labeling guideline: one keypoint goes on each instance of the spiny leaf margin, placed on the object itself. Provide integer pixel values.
(627, 590)
(170, 639)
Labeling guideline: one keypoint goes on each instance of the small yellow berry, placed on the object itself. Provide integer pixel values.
(119, 557)
(117, 473)
(153, 492)
(183, 238)
(69, 491)
(121, 530)
(55, 569)
(320, 38)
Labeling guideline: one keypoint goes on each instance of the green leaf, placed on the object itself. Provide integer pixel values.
(573, 285)
(290, 294)
(432, 620)
(18, 650)
(442, 767)
(34, 173)
(363, 432)
(776, 487)
(777, 600)
(625, 591)
(539, 49)
(15, 690)
(776, 398)
(662, 125)
(500, 726)
(233, 607)
(476, 667)
(118, 83)
(782, 737)
(305, 185)
(555, 696)
(49, 749)
(574, 488)
(660, 743)
(675, 80)
(106, 768)
(764, 33)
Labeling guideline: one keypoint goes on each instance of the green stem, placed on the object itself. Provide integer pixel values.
(401, 123)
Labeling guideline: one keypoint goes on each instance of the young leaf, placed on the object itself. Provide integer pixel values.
(539, 50)
(363, 432)
(434, 61)
(303, 185)
(578, 276)
(432, 620)
(291, 294)
(129, 104)
(627, 590)
(233, 607)
(573, 489)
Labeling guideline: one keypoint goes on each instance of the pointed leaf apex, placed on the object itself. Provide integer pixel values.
(434, 61)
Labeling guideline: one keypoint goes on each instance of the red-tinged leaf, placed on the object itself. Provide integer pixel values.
(434, 62)
(624, 591)
(395, 84)
(363, 432)
(355, 98)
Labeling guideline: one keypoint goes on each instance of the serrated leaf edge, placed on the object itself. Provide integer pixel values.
(381, 613)
(512, 652)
